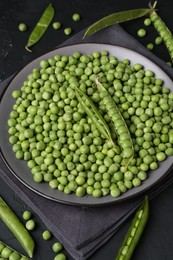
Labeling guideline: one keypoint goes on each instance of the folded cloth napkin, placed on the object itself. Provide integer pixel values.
(82, 230)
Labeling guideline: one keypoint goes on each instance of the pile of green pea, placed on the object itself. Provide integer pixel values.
(63, 147)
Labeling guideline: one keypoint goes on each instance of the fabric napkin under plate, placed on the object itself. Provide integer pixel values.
(83, 230)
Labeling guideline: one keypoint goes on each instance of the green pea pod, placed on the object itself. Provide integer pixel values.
(164, 32)
(116, 18)
(16, 227)
(96, 117)
(127, 151)
(41, 26)
(135, 231)
(13, 251)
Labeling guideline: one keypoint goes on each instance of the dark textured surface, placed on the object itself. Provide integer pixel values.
(156, 242)
(13, 55)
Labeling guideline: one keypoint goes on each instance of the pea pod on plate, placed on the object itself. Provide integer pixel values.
(121, 128)
(95, 116)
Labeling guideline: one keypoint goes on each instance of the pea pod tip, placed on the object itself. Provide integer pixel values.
(27, 48)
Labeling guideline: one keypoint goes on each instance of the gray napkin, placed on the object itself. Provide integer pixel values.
(83, 230)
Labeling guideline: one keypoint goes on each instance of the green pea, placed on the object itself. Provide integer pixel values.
(136, 182)
(141, 32)
(147, 22)
(142, 175)
(56, 25)
(97, 193)
(14, 256)
(67, 31)
(80, 191)
(150, 46)
(80, 180)
(76, 17)
(57, 247)
(46, 235)
(6, 252)
(60, 256)
(115, 192)
(1, 246)
(26, 215)
(158, 40)
(161, 156)
(169, 151)
(30, 224)
(22, 27)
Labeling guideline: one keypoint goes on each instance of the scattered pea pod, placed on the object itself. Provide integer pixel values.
(13, 254)
(95, 116)
(134, 233)
(116, 18)
(41, 26)
(16, 227)
(163, 31)
(119, 123)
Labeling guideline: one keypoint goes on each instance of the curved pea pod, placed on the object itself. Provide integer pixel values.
(116, 18)
(41, 27)
(163, 31)
(135, 231)
(119, 124)
(95, 116)
(16, 227)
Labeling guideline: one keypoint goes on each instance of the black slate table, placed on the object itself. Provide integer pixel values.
(156, 242)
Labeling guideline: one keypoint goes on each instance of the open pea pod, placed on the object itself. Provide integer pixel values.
(116, 18)
(14, 253)
(134, 232)
(96, 117)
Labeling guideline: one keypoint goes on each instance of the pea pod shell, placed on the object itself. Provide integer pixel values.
(99, 120)
(101, 88)
(141, 216)
(13, 250)
(90, 114)
(116, 18)
(166, 32)
(95, 111)
(16, 227)
(41, 26)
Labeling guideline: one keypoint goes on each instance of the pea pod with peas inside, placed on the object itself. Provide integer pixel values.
(163, 31)
(134, 233)
(7, 252)
(41, 26)
(95, 116)
(119, 123)
(16, 227)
